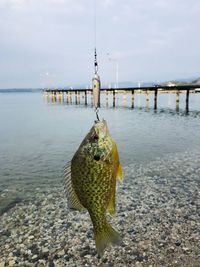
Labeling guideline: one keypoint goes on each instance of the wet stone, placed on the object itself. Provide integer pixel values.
(61, 253)
(51, 264)
(6, 233)
(17, 252)
(131, 231)
(178, 243)
(67, 257)
(35, 257)
(11, 263)
(84, 253)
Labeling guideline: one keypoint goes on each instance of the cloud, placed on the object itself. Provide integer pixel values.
(57, 36)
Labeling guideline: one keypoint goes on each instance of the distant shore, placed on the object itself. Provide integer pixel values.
(21, 90)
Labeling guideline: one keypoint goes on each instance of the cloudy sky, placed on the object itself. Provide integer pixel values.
(51, 42)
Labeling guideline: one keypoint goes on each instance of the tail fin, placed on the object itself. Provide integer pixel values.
(107, 236)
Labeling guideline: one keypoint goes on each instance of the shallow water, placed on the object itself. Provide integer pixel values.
(37, 137)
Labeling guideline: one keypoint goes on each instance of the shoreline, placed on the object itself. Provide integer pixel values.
(158, 217)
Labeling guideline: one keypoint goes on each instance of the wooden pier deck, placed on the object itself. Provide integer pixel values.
(76, 93)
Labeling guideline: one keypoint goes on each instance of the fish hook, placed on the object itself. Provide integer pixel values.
(97, 111)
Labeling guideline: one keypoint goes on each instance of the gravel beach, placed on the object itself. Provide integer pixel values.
(158, 216)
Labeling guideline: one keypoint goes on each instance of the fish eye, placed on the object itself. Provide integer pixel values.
(95, 137)
(96, 157)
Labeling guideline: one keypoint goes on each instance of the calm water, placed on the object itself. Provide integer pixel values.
(37, 137)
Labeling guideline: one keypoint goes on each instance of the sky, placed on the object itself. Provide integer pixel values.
(50, 43)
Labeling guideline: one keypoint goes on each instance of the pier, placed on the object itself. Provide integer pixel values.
(73, 96)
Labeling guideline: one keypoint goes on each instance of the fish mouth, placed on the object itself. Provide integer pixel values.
(101, 128)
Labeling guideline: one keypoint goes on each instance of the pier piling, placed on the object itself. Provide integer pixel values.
(113, 98)
(124, 99)
(187, 101)
(79, 97)
(155, 98)
(132, 102)
(106, 98)
(147, 100)
(76, 98)
(91, 99)
(85, 97)
(67, 97)
(177, 100)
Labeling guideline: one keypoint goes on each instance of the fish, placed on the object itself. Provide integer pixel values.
(90, 182)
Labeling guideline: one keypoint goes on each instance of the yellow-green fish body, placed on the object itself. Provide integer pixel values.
(91, 182)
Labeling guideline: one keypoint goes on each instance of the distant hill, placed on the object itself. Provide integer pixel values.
(20, 90)
(127, 84)
(122, 84)
(182, 82)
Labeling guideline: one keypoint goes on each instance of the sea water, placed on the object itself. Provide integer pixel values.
(38, 136)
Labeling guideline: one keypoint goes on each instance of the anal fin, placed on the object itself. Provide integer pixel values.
(112, 203)
(120, 173)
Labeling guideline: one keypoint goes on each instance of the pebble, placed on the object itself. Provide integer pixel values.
(45, 250)
(42, 262)
(61, 253)
(11, 263)
(51, 264)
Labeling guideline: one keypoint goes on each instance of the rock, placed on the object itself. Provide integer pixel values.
(178, 243)
(34, 257)
(5, 233)
(43, 262)
(61, 253)
(51, 264)
(11, 263)
(28, 252)
(185, 249)
(2, 263)
(17, 253)
(45, 250)
(84, 253)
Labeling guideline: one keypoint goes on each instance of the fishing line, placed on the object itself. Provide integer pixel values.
(95, 38)
(95, 23)
(96, 79)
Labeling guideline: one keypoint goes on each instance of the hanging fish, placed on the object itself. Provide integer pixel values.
(90, 181)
